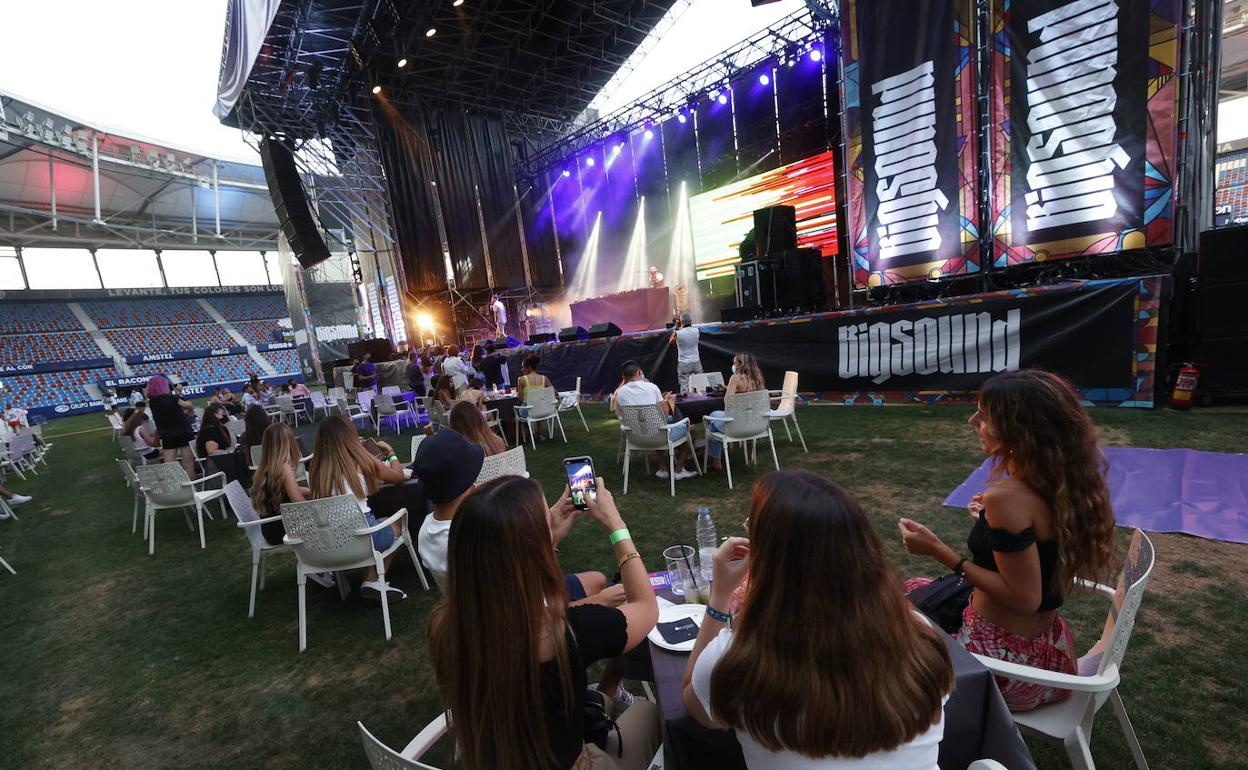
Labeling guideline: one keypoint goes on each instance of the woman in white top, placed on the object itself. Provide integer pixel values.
(454, 367)
(341, 465)
(825, 666)
(139, 427)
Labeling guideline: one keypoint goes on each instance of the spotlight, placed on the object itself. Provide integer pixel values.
(424, 321)
(402, 63)
(816, 54)
(376, 90)
(590, 162)
(681, 117)
(457, 3)
(566, 173)
(723, 99)
(791, 62)
(715, 93)
(764, 79)
(431, 32)
(649, 133)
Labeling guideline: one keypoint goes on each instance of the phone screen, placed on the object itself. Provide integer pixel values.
(581, 482)
(371, 447)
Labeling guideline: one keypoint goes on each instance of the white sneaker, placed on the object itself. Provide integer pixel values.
(19, 499)
(682, 475)
(663, 474)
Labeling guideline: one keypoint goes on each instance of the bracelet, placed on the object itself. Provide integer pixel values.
(392, 457)
(620, 534)
(627, 557)
(957, 568)
(722, 617)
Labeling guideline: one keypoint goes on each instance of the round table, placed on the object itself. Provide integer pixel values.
(697, 407)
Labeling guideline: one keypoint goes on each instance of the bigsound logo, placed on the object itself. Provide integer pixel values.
(903, 133)
(1072, 153)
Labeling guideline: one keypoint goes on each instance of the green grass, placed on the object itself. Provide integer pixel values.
(109, 657)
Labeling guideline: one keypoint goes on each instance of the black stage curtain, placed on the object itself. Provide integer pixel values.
(498, 201)
(803, 130)
(755, 104)
(539, 232)
(408, 161)
(450, 133)
(680, 146)
(716, 151)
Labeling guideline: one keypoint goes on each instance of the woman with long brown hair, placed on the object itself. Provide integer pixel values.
(1044, 520)
(825, 665)
(467, 420)
(746, 378)
(340, 466)
(274, 480)
(511, 663)
(139, 428)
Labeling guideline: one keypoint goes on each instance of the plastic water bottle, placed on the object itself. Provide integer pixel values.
(707, 542)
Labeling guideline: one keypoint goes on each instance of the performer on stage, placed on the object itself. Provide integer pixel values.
(656, 278)
(500, 315)
(680, 297)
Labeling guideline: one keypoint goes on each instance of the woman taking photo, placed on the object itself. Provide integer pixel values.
(826, 665)
(467, 420)
(274, 483)
(170, 414)
(746, 378)
(1044, 520)
(342, 466)
(139, 427)
(511, 666)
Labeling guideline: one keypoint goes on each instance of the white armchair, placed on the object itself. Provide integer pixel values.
(571, 399)
(785, 408)
(746, 421)
(251, 523)
(166, 486)
(382, 757)
(543, 408)
(509, 463)
(645, 429)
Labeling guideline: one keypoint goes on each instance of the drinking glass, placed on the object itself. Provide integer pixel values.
(680, 560)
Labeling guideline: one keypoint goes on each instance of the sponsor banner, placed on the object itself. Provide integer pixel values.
(65, 410)
(90, 294)
(124, 382)
(265, 347)
(910, 125)
(183, 355)
(1083, 99)
(56, 366)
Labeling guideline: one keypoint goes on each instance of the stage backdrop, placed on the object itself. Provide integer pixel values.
(909, 111)
(1084, 99)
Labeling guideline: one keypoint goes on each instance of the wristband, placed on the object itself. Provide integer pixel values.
(957, 568)
(392, 457)
(620, 534)
(722, 617)
(628, 557)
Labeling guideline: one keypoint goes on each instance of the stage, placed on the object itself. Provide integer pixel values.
(1103, 335)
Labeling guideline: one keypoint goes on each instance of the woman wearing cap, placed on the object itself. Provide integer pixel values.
(341, 465)
(512, 665)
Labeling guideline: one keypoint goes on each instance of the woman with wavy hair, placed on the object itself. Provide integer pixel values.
(1044, 520)
(511, 664)
(746, 378)
(467, 420)
(825, 665)
(274, 480)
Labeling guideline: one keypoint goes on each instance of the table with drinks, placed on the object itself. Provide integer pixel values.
(977, 723)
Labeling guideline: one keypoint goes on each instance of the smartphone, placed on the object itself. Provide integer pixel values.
(581, 480)
(371, 447)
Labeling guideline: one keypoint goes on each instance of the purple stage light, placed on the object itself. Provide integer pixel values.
(764, 79)
(649, 133)
(681, 117)
(715, 93)
(589, 162)
(816, 54)
(566, 173)
(723, 99)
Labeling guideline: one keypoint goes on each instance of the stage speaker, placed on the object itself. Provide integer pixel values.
(538, 339)
(1223, 370)
(573, 333)
(1220, 311)
(775, 231)
(381, 349)
(756, 284)
(1223, 255)
(603, 330)
(799, 286)
(294, 216)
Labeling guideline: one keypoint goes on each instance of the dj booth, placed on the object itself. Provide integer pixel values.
(633, 311)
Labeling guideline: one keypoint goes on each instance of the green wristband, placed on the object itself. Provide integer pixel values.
(620, 534)
(392, 457)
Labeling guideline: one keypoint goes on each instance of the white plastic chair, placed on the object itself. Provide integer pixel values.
(509, 463)
(704, 380)
(494, 421)
(986, 764)
(319, 404)
(543, 407)
(331, 535)
(7, 460)
(386, 408)
(382, 757)
(1069, 722)
(166, 485)
(132, 481)
(439, 418)
(114, 422)
(351, 411)
(646, 429)
(287, 410)
(336, 393)
(786, 408)
(131, 451)
(250, 521)
(7, 566)
(23, 453)
(419, 437)
(236, 427)
(571, 399)
(394, 391)
(746, 419)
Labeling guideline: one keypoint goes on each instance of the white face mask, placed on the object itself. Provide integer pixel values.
(734, 368)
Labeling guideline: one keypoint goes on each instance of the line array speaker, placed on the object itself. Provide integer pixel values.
(290, 202)
(573, 333)
(775, 231)
(603, 330)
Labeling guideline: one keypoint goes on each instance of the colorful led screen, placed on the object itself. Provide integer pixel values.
(722, 217)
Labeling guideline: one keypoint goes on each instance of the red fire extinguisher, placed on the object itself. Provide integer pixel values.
(1185, 387)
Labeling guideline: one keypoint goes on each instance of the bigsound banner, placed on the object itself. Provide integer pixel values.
(910, 124)
(1084, 99)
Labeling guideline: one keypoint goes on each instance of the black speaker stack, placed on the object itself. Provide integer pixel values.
(381, 348)
(603, 331)
(1222, 324)
(573, 334)
(784, 280)
(290, 202)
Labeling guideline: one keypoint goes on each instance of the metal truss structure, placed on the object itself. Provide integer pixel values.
(66, 183)
(786, 39)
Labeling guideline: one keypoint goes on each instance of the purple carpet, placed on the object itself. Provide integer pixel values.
(1165, 490)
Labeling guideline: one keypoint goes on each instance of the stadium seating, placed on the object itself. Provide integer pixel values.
(284, 361)
(203, 370)
(130, 342)
(23, 317)
(112, 314)
(1232, 185)
(39, 348)
(250, 308)
(256, 332)
(49, 389)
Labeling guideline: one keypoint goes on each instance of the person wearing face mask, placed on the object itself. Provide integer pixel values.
(636, 390)
(746, 378)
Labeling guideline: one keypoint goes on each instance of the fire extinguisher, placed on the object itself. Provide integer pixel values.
(1185, 387)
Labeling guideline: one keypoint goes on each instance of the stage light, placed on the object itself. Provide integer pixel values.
(376, 90)
(431, 32)
(681, 117)
(457, 3)
(715, 93)
(764, 80)
(424, 321)
(816, 54)
(566, 173)
(402, 63)
(590, 162)
(792, 62)
(649, 133)
(723, 99)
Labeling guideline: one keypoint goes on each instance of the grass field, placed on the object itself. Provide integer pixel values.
(112, 658)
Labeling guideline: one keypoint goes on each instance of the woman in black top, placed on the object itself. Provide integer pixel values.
(170, 414)
(213, 437)
(255, 422)
(511, 666)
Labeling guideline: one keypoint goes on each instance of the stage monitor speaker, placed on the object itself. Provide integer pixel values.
(573, 333)
(775, 231)
(294, 216)
(800, 286)
(381, 349)
(603, 330)
(538, 339)
(756, 284)
(1220, 312)
(1223, 255)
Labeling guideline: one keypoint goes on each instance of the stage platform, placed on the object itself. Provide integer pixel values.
(632, 311)
(1102, 334)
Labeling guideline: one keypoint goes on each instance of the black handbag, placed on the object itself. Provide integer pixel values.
(943, 601)
(598, 724)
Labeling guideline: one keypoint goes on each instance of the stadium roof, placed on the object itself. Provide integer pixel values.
(150, 195)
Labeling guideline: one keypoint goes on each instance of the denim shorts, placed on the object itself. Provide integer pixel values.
(679, 432)
(382, 538)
